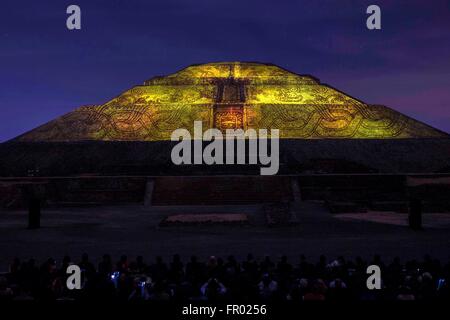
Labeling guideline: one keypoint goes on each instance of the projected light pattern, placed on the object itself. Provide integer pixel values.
(230, 96)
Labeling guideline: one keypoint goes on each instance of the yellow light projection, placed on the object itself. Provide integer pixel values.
(231, 95)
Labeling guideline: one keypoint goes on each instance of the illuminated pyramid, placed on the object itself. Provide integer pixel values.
(231, 95)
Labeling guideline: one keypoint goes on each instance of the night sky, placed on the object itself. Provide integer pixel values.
(47, 70)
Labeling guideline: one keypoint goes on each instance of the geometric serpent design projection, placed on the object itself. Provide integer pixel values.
(231, 95)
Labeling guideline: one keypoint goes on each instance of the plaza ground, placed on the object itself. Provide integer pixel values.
(135, 230)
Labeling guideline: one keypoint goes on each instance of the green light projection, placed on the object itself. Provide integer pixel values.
(231, 95)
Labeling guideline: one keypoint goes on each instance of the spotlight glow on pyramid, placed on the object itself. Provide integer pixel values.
(232, 95)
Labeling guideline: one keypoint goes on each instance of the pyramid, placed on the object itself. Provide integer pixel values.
(231, 95)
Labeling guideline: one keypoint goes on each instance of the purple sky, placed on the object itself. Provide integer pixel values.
(46, 70)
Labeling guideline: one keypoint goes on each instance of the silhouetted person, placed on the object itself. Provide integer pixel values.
(266, 266)
(105, 266)
(138, 266)
(213, 290)
(195, 270)
(159, 269)
(250, 265)
(176, 269)
(267, 287)
(122, 264)
(65, 264)
(86, 266)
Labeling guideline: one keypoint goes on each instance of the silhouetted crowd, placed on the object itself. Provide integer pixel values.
(223, 280)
